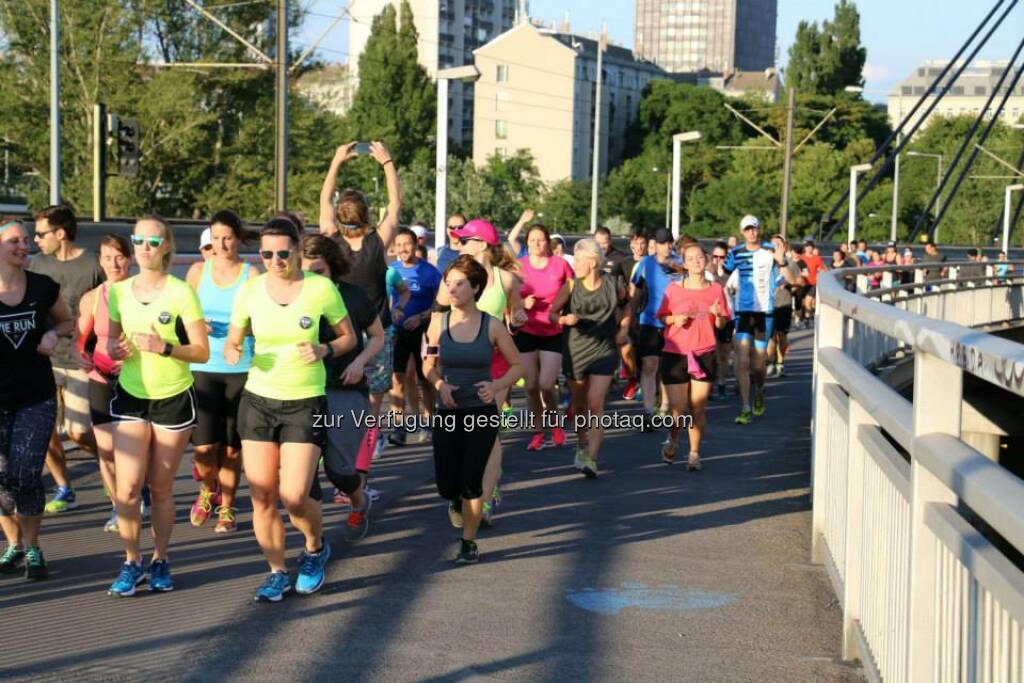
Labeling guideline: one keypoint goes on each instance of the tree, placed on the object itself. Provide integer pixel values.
(803, 71)
(566, 206)
(825, 61)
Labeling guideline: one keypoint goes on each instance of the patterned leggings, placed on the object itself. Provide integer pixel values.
(24, 436)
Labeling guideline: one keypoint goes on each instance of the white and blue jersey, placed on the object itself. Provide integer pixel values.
(757, 277)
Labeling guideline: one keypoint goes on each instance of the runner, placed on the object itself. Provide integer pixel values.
(76, 272)
(812, 265)
(653, 274)
(723, 334)
(157, 329)
(460, 350)
(786, 295)
(638, 250)
(28, 404)
(586, 305)
(364, 249)
(218, 386)
(94, 358)
(282, 411)
(350, 444)
(691, 310)
(422, 280)
(757, 276)
(447, 253)
(515, 244)
(540, 341)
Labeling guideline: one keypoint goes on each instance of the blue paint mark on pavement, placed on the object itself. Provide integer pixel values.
(614, 600)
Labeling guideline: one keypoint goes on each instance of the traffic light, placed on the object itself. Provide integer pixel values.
(128, 148)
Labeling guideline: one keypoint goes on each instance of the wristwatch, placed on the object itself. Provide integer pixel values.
(166, 353)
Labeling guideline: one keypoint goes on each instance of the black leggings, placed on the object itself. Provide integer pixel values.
(461, 455)
(24, 437)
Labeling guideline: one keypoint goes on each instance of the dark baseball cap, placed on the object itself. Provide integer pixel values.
(661, 236)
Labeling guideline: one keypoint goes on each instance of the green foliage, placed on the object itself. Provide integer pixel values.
(566, 206)
(825, 61)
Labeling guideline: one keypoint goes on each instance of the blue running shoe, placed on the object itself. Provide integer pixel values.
(130, 576)
(311, 570)
(274, 588)
(63, 500)
(160, 576)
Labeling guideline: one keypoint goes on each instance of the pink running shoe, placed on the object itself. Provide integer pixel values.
(202, 508)
(536, 443)
(558, 436)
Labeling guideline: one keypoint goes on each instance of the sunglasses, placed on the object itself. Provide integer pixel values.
(154, 242)
(208, 247)
(283, 254)
(460, 226)
(719, 256)
(466, 240)
(44, 233)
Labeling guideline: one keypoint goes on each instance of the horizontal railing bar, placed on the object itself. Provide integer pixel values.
(893, 412)
(983, 561)
(985, 486)
(839, 400)
(997, 282)
(919, 265)
(888, 459)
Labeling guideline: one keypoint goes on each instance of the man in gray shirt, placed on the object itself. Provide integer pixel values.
(76, 271)
(933, 255)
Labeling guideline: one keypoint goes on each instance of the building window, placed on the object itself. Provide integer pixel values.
(503, 73)
(501, 129)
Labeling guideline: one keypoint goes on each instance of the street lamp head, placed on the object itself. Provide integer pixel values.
(1015, 188)
(1017, 126)
(854, 88)
(861, 168)
(459, 73)
(688, 136)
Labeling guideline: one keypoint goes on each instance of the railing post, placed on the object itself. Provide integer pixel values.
(938, 396)
(854, 536)
(828, 331)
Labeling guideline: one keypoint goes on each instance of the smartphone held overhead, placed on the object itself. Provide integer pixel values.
(362, 148)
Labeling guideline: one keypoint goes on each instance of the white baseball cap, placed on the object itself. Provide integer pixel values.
(206, 239)
(749, 221)
(419, 230)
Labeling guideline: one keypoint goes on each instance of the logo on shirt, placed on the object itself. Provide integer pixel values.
(164, 318)
(305, 322)
(17, 326)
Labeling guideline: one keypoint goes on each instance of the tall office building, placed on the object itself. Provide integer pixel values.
(449, 31)
(720, 36)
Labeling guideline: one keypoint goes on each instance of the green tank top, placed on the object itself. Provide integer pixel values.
(494, 301)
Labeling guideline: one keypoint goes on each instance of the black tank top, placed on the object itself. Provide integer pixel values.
(368, 269)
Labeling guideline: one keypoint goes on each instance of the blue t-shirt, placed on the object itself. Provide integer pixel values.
(655, 277)
(423, 281)
(445, 255)
(758, 277)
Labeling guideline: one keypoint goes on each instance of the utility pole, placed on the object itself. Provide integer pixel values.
(99, 162)
(595, 173)
(895, 194)
(787, 163)
(281, 110)
(54, 103)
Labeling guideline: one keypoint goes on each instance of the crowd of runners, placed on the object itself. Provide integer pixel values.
(283, 369)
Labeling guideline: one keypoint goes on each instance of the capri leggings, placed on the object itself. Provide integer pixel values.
(461, 455)
(24, 436)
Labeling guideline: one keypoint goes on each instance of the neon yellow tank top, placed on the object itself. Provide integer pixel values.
(494, 300)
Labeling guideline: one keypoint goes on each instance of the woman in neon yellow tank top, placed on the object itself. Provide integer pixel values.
(282, 409)
(500, 299)
(154, 405)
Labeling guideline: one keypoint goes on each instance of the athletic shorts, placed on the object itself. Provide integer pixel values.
(270, 420)
(218, 394)
(528, 343)
(345, 439)
(723, 334)
(649, 341)
(599, 366)
(174, 414)
(756, 327)
(783, 319)
(378, 368)
(100, 394)
(72, 400)
(811, 291)
(408, 344)
(461, 455)
(675, 368)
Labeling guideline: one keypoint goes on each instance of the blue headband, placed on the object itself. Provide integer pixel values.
(9, 225)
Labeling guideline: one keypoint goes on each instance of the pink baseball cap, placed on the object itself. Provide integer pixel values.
(480, 229)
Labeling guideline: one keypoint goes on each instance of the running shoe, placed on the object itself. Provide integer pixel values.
(506, 417)
(579, 458)
(218, 499)
(111, 525)
(781, 371)
(630, 393)
(359, 521)
(759, 402)
(379, 448)
(468, 553)
(11, 559)
(454, 515)
(225, 520)
(769, 371)
(202, 508)
(396, 438)
(668, 451)
(160, 577)
(521, 382)
(744, 417)
(589, 468)
(35, 565)
(558, 436)
(274, 588)
(496, 495)
(426, 435)
(341, 498)
(536, 443)
(311, 569)
(62, 501)
(487, 515)
(371, 493)
(693, 463)
(130, 576)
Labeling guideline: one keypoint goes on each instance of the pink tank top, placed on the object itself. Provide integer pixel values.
(104, 367)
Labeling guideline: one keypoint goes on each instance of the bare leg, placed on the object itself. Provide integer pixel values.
(581, 421)
(131, 462)
(12, 532)
(85, 441)
(298, 467)
(167, 449)
(105, 455)
(531, 371)
(677, 395)
(228, 476)
(596, 393)
(56, 461)
(207, 458)
(261, 460)
(743, 353)
(649, 380)
(550, 364)
(29, 528)
(699, 392)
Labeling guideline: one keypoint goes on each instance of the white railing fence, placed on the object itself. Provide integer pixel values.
(925, 596)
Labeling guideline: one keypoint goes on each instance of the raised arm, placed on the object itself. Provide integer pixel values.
(389, 226)
(342, 154)
(517, 229)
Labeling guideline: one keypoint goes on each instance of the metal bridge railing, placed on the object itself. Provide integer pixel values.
(925, 595)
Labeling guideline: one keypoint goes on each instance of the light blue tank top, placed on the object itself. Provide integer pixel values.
(217, 303)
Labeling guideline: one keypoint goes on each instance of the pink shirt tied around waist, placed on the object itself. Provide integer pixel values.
(697, 336)
(543, 284)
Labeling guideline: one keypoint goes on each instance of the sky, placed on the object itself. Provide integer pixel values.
(898, 34)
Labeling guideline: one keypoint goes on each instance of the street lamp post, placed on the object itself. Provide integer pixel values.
(854, 172)
(1010, 189)
(668, 195)
(938, 181)
(459, 73)
(677, 142)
